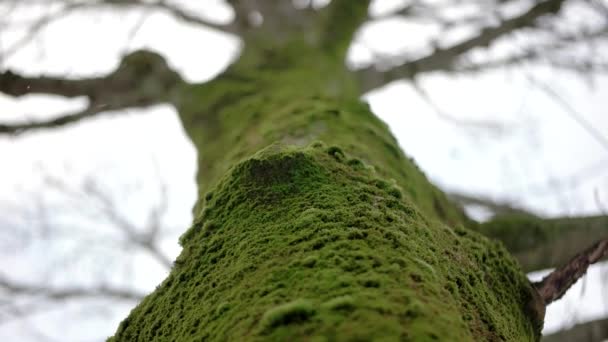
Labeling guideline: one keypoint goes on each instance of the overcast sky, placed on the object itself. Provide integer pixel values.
(530, 150)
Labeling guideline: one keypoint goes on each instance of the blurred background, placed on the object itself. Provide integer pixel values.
(90, 213)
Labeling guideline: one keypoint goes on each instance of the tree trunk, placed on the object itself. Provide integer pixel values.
(312, 224)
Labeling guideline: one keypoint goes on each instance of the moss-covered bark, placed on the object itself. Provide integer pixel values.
(539, 243)
(313, 225)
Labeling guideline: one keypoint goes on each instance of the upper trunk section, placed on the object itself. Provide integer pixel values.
(295, 96)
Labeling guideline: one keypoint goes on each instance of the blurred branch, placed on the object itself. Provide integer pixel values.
(573, 113)
(589, 331)
(38, 26)
(146, 238)
(496, 207)
(172, 9)
(48, 226)
(62, 120)
(494, 127)
(70, 6)
(48, 292)
(555, 285)
(540, 54)
(573, 180)
(540, 243)
(444, 58)
(17, 85)
(116, 91)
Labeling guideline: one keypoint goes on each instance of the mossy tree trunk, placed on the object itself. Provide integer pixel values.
(312, 224)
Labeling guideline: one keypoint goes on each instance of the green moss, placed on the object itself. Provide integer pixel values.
(542, 243)
(267, 112)
(518, 231)
(336, 152)
(306, 202)
(309, 261)
(346, 303)
(290, 223)
(294, 312)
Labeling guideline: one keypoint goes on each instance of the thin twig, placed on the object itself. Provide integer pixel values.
(573, 113)
(68, 292)
(469, 123)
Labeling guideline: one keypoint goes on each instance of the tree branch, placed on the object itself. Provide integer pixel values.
(119, 90)
(539, 243)
(555, 285)
(48, 292)
(147, 240)
(172, 9)
(486, 125)
(38, 26)
(589, 331)
(537, 52)
(572, 113)
(443, 59)
(498, 208)
(63, 120)
(17, 85)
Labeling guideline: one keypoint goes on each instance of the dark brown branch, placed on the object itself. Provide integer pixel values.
(496, 207)
(64, 120)
(443, 59)
(17, 85)
(555, 285)
(119, 90)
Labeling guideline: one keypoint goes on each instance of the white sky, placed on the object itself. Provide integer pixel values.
(537, 155)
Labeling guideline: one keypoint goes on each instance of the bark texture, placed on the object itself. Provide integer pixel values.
(313, 225)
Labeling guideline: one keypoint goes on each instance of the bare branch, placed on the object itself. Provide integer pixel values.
(496, 207)
(38, 26)
(589, 331)
(119, 90)
(573, 113)
(60, 121)
(539, 243)
(487, 125)
(172, 9)
(555, 285)
(443, 59)
(540, 52)
(145, 240)
(17, 85)
(52, 293)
